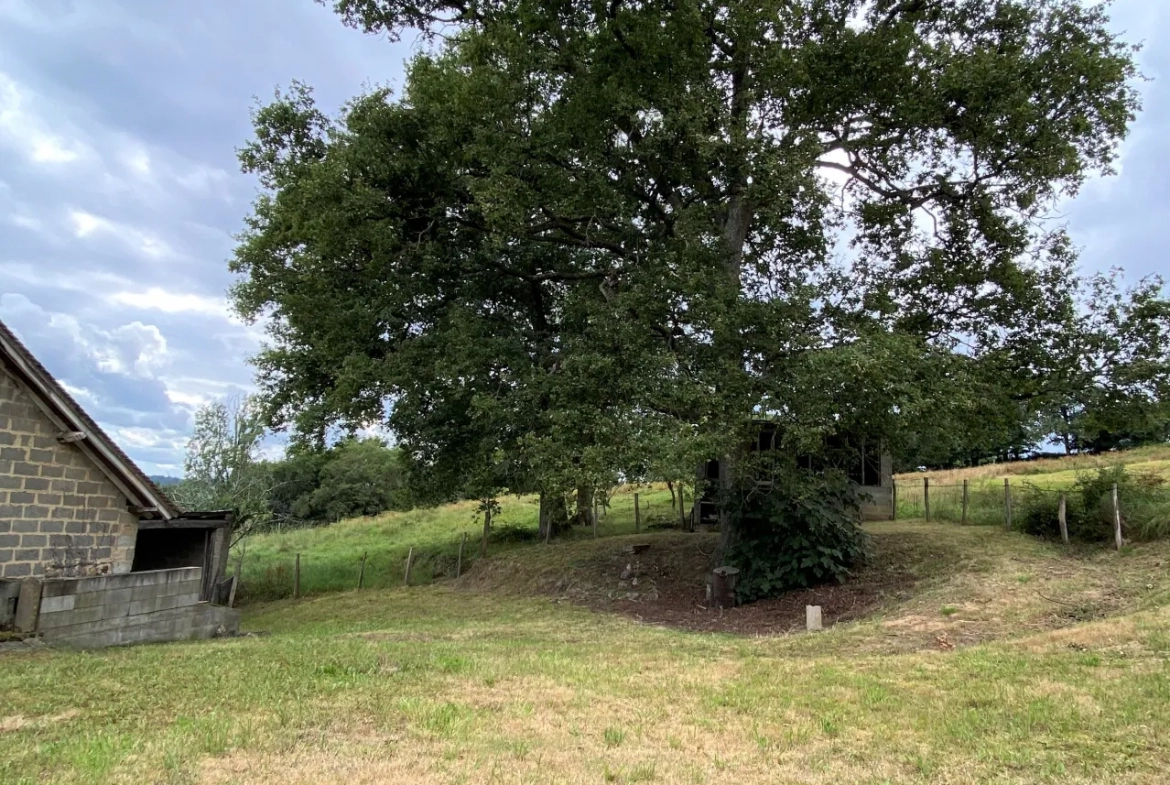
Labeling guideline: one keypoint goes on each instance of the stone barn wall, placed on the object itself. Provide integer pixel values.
(59, 514)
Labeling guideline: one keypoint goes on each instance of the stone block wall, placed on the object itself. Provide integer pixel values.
(59, 514)
(161, 605)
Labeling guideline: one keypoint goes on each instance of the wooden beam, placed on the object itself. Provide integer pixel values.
(181, 523)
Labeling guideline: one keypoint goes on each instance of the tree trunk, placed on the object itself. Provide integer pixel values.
(670, 487)
(584, 505)
(554, 516)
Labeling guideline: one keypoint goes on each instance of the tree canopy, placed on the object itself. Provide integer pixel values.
(591, 238)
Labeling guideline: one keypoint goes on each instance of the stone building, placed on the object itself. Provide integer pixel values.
(73, 505)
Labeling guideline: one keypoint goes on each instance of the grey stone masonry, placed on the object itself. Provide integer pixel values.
(162, 605)
(60, 516)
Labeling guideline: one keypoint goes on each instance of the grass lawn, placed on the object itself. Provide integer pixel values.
(1019, 663)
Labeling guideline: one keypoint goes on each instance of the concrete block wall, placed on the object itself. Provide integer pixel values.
(59, 514)
(161, 605)
(879, 507)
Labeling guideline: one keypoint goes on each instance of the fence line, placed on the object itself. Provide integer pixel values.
(1095, 509)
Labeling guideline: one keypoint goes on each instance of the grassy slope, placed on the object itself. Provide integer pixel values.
(331, 555)
(1050, 472)
(438, 685)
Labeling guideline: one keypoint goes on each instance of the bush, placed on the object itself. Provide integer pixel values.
(1144, 500)
(802, 531)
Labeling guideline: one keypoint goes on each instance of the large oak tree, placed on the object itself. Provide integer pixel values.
(593, 237)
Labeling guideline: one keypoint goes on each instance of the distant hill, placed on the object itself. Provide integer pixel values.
(164, 480)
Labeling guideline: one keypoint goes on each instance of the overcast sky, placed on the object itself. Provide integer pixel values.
(120, 192)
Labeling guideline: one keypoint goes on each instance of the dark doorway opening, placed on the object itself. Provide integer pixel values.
(169, 549)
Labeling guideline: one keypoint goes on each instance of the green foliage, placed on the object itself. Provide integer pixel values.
(801, 531)
(1091, 363)
(353, 478)
(595, 240)
(222, 470)
(1144, 501)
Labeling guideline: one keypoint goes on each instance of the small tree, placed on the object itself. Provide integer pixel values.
(221, 468)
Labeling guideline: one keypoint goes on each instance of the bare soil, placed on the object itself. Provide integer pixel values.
(665, 584)
(671, 591)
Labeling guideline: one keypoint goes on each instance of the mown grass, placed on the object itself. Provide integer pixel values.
(331, 556)
(437, 685)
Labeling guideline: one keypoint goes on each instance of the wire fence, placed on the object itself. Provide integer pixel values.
(963, 503)
(268, 575)
(1111, 506)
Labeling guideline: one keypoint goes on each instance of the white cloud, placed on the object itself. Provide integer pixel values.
(137, 160)
(190, 400)
(25, 130)
(86, 224)
(134, 349)
(157, 299)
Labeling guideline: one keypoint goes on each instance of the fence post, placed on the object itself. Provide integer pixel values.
(459, 561)
(637, 515)
(1062, 518)
(362, 572)
(1007, 503)
(297, 578)
(487, 524)
(963, 518)
(409, 562)
(894, 500)
(1116, 519)
(926, 497)
(682, 515)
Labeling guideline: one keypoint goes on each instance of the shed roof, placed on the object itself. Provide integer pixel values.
(77, 426)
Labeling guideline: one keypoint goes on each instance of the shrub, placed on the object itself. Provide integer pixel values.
(1144, 500)
(801, 531)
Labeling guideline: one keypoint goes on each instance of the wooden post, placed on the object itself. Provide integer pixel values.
(362, 572)
(682, 515)
(1007, 503)
(964, 521)
(894, 500)
(297, 578)
(487, 524)
(926, 497)
(236, 577)
(595, 520)
(1062, 518)
(459, 561)
(637, 515)
(409, 563)
(1116, 519)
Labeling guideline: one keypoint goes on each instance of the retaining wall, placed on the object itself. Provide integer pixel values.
(160, 605)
